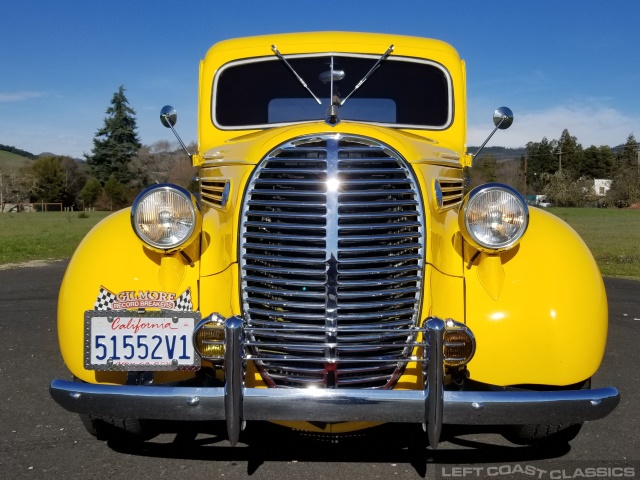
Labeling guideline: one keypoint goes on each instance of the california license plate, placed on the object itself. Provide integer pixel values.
(158, 340)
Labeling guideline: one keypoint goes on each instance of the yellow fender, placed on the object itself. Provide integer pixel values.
(538, 310)
(112, 261)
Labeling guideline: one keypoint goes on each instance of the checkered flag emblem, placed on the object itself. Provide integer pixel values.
(183, 302)
(105, 299)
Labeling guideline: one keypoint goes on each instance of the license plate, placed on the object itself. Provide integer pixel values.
(158, 340)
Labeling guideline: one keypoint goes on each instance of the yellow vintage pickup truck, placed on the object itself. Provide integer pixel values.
(332, 272)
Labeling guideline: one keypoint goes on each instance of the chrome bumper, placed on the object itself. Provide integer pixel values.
(432, 406)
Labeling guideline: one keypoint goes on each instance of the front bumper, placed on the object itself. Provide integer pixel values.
(432, 406)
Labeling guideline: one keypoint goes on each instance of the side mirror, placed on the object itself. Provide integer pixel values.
(502, 119)
(168, 118)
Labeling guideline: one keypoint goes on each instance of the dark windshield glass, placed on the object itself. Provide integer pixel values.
(265, 92)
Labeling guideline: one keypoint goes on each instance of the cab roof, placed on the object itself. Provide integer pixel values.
(333, 41)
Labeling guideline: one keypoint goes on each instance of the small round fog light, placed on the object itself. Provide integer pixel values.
(459, 344)
(208, 338)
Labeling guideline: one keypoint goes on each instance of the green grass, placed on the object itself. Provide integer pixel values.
(11, 161)
(613, 236)
(43, 236)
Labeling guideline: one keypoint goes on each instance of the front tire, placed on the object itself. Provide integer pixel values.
(542, 435)
(121, 430)
(549, 436)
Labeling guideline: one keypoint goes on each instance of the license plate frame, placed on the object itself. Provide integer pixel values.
(172, 350)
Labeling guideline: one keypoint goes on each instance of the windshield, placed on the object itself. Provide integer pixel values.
(264, 92)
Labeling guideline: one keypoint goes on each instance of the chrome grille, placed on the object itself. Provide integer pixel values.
(332, 242)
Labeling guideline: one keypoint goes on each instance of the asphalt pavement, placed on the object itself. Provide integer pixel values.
(39, 440)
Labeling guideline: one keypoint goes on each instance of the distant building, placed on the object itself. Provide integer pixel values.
(601, 186)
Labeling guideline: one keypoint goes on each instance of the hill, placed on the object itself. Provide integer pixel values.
(501, 154)
(17, 151)
(13, 161)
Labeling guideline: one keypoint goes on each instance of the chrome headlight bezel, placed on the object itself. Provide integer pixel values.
(499, 200)
(181, 212)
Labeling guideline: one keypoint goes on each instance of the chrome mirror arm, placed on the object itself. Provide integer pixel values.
(168, 118)
(502, 119)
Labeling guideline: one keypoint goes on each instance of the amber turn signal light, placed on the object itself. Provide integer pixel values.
(208, 338)
(459, 344)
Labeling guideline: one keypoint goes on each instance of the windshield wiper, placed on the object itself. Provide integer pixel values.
(279, 55)
(369, 73)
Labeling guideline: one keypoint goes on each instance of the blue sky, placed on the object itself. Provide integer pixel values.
(556, 64)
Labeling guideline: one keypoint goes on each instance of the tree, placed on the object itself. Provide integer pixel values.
(116, 143)
(17, 151)
(628, 157)
(569, 152)
(541, 160)
(597, 162)
(49, 178)
(116, 192)
(162, 162)
(57, 179)
(484, 170)
(153, 163)
(512, 173)
(625, 187)
(17, 186)
(73, 182)
(563, 190)
(91, 192)
(183, 172)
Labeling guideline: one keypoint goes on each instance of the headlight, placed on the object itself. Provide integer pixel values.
(493, 217)
(165, 217)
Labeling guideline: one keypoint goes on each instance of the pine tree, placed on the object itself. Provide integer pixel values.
(116, 143)
(625, 188)
(540, 160)
(628, 157)
(569, 152)
(597, 162)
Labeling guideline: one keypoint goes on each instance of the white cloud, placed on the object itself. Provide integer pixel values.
(18, 96)
(591, 122)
